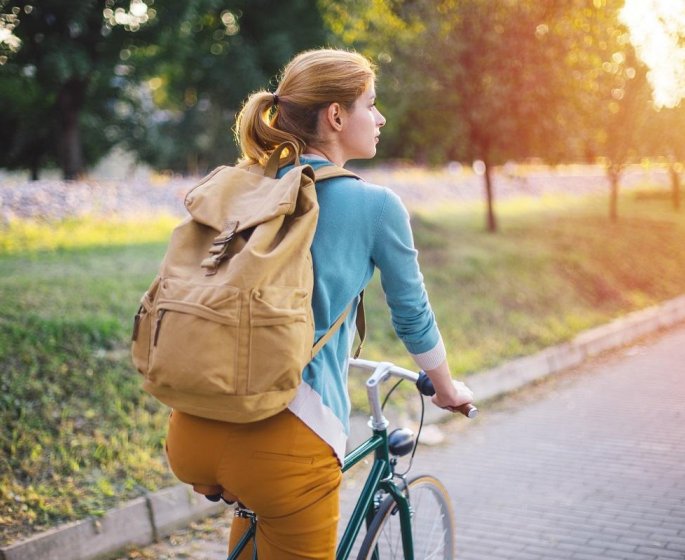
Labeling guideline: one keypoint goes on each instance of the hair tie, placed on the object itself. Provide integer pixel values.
(275, 102)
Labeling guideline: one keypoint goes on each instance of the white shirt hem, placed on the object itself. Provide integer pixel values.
(308, 407)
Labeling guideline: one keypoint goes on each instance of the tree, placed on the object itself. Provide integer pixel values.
(476, 79)
(64, 56)
(203, 67)
(662, 137)
(501, 61)
(169, 75)
(28, 136)
(607, 99)
(393, 35)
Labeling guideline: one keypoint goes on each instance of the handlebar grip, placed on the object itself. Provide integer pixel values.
(467, 410)
(425, 387)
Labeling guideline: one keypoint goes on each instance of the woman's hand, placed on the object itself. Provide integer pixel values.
(452, 397)
(449, 394)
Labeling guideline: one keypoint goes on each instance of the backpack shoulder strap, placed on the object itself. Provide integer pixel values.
(361, 327)
(330, 171)
(321, 174)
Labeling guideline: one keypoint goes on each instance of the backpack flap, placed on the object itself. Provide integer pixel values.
(229, 195)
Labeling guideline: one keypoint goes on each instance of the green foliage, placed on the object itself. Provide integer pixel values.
(605, 109)
(78, 434)
(29, 132)
(65, 60)
(504, 81)
(203, 68)
(478, 79)
(163, 79)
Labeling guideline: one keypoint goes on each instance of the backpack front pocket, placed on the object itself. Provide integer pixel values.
(281, 332)
(194, 338)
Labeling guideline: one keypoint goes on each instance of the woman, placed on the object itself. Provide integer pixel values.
(287, 468)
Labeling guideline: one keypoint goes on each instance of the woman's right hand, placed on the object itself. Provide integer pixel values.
(452, 396)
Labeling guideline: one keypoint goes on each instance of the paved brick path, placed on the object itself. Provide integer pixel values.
(587, 466)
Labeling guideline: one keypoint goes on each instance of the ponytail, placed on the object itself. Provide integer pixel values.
(256, 133)
(310, 82)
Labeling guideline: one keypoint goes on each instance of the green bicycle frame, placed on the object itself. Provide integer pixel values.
(380, 477)
(242, 543)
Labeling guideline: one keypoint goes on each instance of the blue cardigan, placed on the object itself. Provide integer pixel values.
(361, 227)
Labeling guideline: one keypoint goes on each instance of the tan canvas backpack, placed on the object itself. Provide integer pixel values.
(226, 327)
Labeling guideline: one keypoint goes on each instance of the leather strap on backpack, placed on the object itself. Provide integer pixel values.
(361, 328)
(361, 324)
(219, 250)
(274, 162)
(330, 171)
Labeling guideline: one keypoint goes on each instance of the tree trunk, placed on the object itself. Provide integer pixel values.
(70, 102)
(491, 220)
(35, 170)
(675, 184)
(614, 174)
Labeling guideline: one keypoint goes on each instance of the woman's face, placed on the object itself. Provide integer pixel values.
(362, 124)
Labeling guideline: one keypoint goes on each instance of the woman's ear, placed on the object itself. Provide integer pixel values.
(334, 116)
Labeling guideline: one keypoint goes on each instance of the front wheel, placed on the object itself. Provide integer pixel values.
(432, 525)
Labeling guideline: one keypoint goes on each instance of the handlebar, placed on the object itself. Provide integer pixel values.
(381, 371)
(425, 386)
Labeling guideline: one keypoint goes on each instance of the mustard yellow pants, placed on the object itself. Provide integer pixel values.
(277, 467)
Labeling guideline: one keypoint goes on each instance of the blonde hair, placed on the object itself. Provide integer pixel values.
(310, 82)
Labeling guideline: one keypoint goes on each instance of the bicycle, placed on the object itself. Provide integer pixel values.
(402, 518)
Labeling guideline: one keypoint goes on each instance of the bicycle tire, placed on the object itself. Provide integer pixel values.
(432, 524)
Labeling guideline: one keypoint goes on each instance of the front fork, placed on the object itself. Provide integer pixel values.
(403, 506)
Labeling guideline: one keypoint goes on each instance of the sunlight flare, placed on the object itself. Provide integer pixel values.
(657, 29)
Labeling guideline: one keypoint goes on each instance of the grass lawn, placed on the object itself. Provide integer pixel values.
(78, 435)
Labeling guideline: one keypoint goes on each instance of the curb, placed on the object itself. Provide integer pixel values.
(138, 522)
(152, 517)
